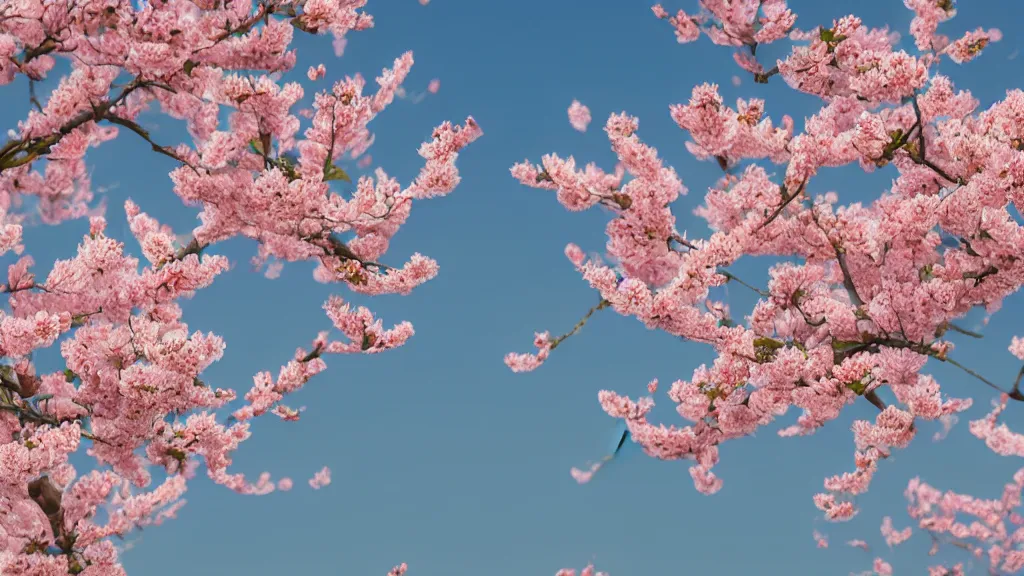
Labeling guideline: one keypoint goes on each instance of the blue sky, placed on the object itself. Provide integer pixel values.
(442, 457)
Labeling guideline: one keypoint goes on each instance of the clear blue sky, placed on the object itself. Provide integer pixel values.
(442, 457)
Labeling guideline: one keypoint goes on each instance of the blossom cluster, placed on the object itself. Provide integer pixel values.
(131, 392)
(863, 295)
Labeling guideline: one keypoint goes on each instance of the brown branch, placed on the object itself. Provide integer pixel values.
(32, 95)
(938, 170)
(920, 157)
(963, 331)
(240, 29)
(762, 77)
(20, 152)
(144, 134)
(38, 418)
(193, 247)
(48, 45)
(786, 202)
(928, 351)
(682, 241)
(599, 306)
(1015, 392)
(969, 371)
(875, 400)
(807, 318)
(341, 250)
(847, 279)
(920, 127)
(729, 276)
(840, 252)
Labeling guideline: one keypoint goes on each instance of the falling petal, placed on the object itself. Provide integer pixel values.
(948, 421)
(858, 544)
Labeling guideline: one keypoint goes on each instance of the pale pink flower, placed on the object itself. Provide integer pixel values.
(858, 544)
(316, 73)
(579, 116)
(131, 385)
(891, 535)
(321, 478)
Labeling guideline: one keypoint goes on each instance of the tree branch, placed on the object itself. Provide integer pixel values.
(583, 321)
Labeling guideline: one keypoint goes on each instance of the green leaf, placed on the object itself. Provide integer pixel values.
(189, 67)
(765, 342)
(827, 35)
(840, 345)
(332, 172)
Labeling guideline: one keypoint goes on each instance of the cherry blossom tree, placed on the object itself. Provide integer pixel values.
(131, 393)
(863, 295)
(989, 530)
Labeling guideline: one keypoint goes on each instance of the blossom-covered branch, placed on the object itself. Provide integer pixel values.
(132, 381)
(987, 529)
(865, 293)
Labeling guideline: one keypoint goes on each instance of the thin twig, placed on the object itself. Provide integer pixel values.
(786, 202)
(599, 306)
(847, 278)
(875, 400)
(144, 134)
(32, 95)
(732, 277)
(963, 331)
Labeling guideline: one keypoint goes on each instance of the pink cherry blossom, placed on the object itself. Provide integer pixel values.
(316, 73)
(339, 45)
(971, 44)
(321, 478)
(579, 116)
(858, 544)
(863, 298)
(892, 536)
(988, 529)
(132, 402)
(743, 24)
(1017, 347)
